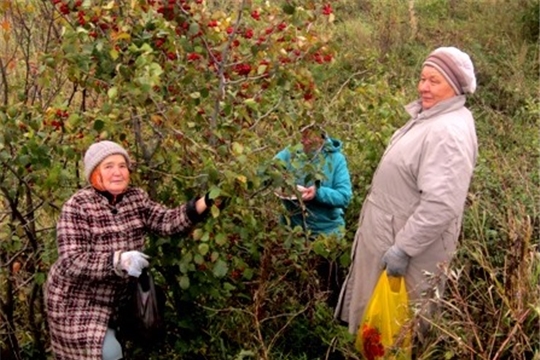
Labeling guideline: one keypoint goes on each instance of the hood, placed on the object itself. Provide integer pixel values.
(332, 145)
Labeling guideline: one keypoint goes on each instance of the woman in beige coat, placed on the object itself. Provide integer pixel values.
(411, 218)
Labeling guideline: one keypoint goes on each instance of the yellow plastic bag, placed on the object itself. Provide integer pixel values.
(382, 324)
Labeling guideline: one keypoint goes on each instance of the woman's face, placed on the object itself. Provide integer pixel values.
(311, 140)
(433, 87)
(114, 174)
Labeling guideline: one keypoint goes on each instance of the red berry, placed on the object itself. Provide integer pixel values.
(64, 9)
(256, 15)
(193, 56)
(160, 42)
(248, 34)
(327, 9)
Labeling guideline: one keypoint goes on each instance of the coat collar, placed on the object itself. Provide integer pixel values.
(415, 108)
(112, 199)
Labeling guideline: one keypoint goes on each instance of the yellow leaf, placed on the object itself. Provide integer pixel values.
(114, 54)
(157, 119)
(262, 69)
(237, 148)
(218, 15)
(5, 4)
(109, 6)
(215, 211)
(120, 36)
(241, 178)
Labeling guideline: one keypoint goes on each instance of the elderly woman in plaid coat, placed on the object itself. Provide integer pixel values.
(100, 235)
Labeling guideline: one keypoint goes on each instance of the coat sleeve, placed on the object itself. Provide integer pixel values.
(77, 258)
(339, 192)
(165, 221)
(444, 173)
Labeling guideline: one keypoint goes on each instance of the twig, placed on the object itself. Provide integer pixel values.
(346, 82)
(271, 110)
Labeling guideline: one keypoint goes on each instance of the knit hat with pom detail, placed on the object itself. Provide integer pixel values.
(97, 152)
(456, 66)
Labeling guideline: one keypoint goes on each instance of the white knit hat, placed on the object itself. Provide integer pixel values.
(456, 66)
(97, 152)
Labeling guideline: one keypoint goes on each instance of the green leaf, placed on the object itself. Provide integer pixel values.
(248, 274)
(203, 249)
(184, 282)
(99, 125)
(204, 92)
(251, 103)
(40, 278)
(220, 269)
(228, 286)
(214, 192)
(193, 28)
(197, 234)
(206, 236)
(184, 267)
(162, 241)
(319, 248)
(198, 259)
(112, 93)
(221, 239)
(288, 9)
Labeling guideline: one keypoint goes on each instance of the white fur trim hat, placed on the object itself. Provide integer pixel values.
(456, 66)
(97, 152)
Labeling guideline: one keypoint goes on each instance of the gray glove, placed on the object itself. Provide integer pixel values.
(396, 261)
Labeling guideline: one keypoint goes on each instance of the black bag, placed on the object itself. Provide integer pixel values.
(141, 316)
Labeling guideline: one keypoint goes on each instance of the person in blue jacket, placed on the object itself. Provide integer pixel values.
(322, 179)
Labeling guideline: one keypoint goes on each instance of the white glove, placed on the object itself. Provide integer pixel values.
(132, 262)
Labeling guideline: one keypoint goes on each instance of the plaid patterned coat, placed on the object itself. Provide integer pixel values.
(82, 288)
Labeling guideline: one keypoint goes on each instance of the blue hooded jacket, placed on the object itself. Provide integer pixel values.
(325, 213)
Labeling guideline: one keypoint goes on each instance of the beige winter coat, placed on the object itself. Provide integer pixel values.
(416, 201)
